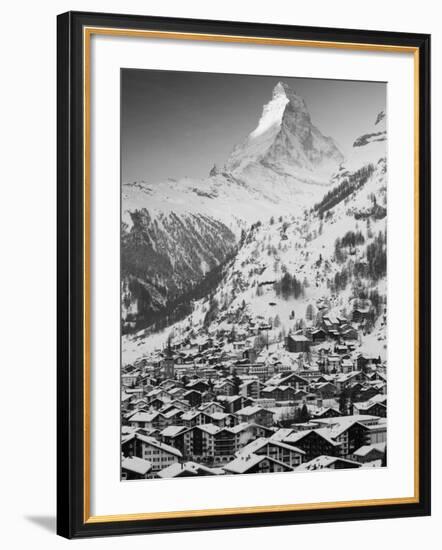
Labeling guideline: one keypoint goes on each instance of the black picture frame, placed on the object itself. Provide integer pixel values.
(71, 517)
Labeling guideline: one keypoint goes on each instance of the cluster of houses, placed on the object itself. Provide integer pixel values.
(218, 403)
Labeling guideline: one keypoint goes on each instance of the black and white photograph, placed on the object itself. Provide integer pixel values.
(253, 274)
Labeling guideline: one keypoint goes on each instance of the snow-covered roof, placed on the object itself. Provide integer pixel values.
(365, 405)
(366, 449)
(144, 416)
(155, 443)
(251, 410)
(136, 465)
(324, 461)
(261, 442)
(294, 437)
(209, 428)
(172, 431)
(188, 468)
(244, 463)
(298, 338)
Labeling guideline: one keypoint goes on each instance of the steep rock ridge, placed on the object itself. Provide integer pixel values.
(286, 141)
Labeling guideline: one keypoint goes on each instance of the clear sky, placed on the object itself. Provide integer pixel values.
(176, 124)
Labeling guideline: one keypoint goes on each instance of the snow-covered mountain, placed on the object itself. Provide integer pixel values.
(289, 268)
(175, 232)
(166, 257)
(287, 143)
(283, 163)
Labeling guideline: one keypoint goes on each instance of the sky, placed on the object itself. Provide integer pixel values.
(179, 124)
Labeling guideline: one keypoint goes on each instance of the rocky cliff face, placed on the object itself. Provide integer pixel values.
(287, 142)
(165, 258)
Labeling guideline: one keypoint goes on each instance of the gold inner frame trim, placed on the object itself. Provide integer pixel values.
(87, 34)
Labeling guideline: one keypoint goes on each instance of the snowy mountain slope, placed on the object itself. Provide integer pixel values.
(164, 257)
(177, 236)
(175, 232)
(326, 260)
(304, 248)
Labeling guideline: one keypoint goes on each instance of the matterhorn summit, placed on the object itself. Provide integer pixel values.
(282, 166)
(272, 112)
(287, 143)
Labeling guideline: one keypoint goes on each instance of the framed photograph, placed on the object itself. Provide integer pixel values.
(243, 274)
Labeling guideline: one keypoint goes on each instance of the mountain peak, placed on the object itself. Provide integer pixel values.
(279, 89)
(283, 97)
(286, 141)
(296, 101)
(272, 111)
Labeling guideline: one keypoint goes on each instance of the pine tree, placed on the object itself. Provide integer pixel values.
(236, 383)
(309, 312)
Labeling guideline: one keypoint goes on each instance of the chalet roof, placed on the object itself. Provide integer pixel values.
(189, 392)
(136, 465)
(336, 426)
(366, 405)
(131, 374)
(173, 391)
(298, 338)
(324, 384)
(348, 328)
(172, 412)
(366, 449)
(195, 382)
(220, 383)
(261, 442)
(295, 437)
(209, 428)
(244, 426)
(292, 375)
(323, 410)
(347, 376)
(219, 415)
(208, 404)
(281, 434)
(190, 415)
(331, 318)
(188, 468)
(229, 398)
(155, 443)
(324, 461)
(157, 391)
(282, 387)
(251, 410)
(145, 416)
(244, 463)
(173, 431)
